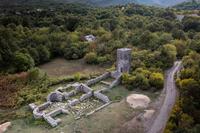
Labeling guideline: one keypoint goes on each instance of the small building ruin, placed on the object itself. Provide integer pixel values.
(90, 38)
(65, 99)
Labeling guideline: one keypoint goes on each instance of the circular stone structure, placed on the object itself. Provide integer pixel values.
(138, 101)
(55, 97)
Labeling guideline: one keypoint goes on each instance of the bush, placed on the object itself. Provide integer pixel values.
(44, 54)
(138, 81)
(23, 61)
(77, 77)
(102, 60)
(91, 58)
(156, 80)
(33, 74)
(75, 50)
(141, 82)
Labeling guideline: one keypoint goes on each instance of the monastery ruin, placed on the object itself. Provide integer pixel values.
(81, 99)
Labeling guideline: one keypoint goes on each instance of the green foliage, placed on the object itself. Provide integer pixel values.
(35, 55)
(179, 34)
(91, 58)
(33, 74)
(181, 48)
(49, 33)
(191, 23)
(135, 82)
(190, 5)
(156, 80)
(75, 51)
(143, 79)
(44, 54)
(168, 55)
(23, 61)
(77, 77)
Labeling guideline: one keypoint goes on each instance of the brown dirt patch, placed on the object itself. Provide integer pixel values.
(9, 87)
(138, 101)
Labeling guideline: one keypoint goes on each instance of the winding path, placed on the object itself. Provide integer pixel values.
(159, 123)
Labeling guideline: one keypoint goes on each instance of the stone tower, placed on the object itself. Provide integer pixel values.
(124, 60)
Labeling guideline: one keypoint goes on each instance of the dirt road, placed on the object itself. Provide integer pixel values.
(159, 123)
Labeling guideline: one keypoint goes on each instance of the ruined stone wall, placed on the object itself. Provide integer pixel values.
(102, 97)
(115, 74)
(37, 112)
(98, 79)
(74, 102)
(84, 88)
(116, 82)
(86, 96)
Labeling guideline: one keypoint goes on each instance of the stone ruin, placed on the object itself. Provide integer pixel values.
(63, 99)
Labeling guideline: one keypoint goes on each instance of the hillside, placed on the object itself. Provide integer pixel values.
(35, 39)
(194, 5)
(163, 3)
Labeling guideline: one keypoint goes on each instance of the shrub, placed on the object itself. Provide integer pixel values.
(44, 54)
(77, 77)
(33, 74)
(23, 61)
(91, 58)
(102, 60)
(141, 82)
(138, 81)
(156, 80)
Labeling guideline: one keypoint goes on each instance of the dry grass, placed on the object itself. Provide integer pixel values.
(9, 87)
(61, 67)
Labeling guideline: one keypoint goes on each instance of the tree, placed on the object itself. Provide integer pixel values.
(181, 47)
(72, 22)
(156, 80)
(189, 91)
(23, 61)
(179, 34)
(165, 38)
(168, 55)
(44, 54)
(75, 50)
(35, 55)
(135, 81)
(141, 82)
(195, 45)
(91, 58)
(186, 122)
(187, 73)
(33, 74)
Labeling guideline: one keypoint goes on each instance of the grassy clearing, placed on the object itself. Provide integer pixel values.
(60, 67)
(117, 93)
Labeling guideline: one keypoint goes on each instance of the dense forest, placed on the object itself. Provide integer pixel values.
(193, 5)
(99, 3)
(30, 36)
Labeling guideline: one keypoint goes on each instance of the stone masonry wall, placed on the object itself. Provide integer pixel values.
(98, 79)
